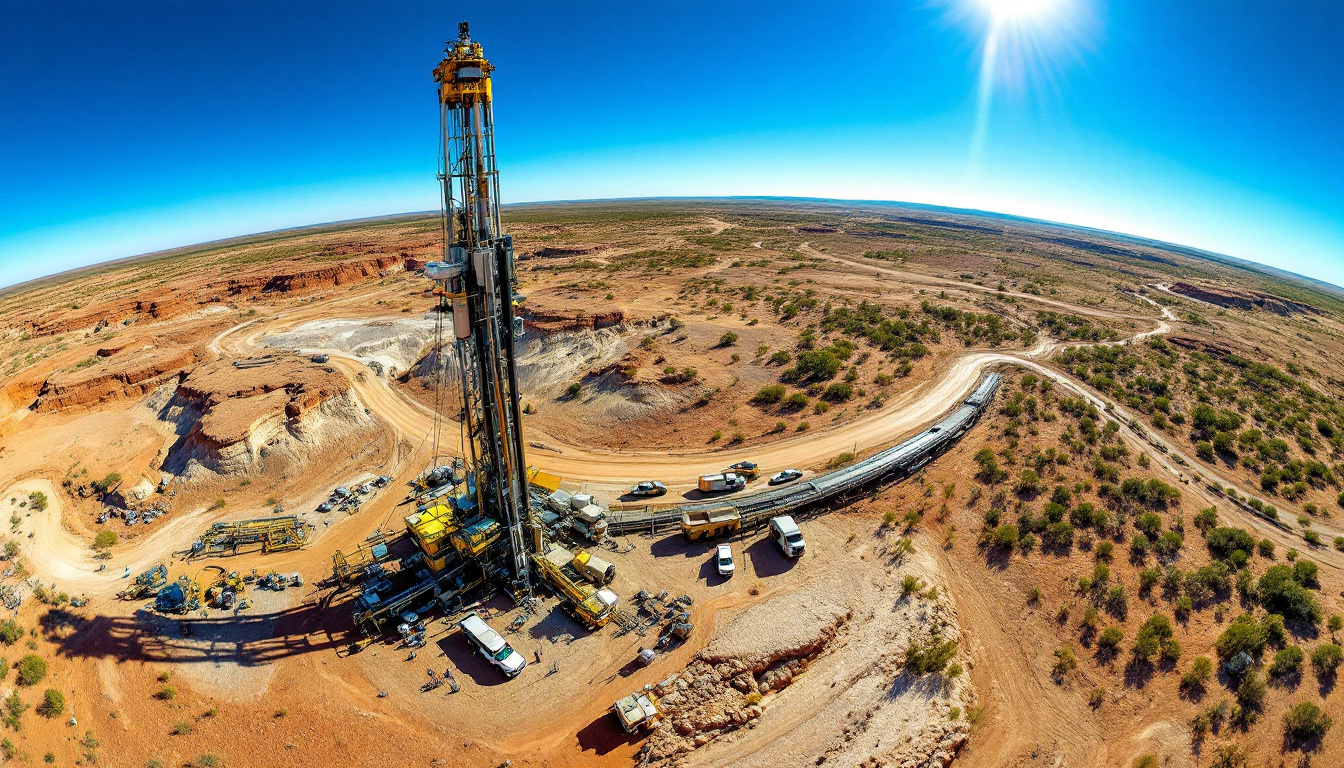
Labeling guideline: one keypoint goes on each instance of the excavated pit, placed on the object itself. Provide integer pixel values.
(816, 676)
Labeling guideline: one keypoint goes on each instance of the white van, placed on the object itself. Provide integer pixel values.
(492, 646)
(786, 534)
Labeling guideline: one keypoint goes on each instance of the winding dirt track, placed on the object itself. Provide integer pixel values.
(904, 415)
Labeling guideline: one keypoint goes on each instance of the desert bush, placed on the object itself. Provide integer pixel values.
(929, 655)
(1195, 678)
(1005, 537)
(53, 703)
(1244, 634)
(1281, 593)
(840, 460)
(10, 632)
(1304, 722)
(769, 394)
(1325, 659)
(1287, 662)
(839, 392)
(32, 670)
(1110, 638)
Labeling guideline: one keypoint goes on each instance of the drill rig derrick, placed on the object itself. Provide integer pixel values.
(476, 287)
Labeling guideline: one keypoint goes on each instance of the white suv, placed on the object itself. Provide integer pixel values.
(492, 646)
(723, 558)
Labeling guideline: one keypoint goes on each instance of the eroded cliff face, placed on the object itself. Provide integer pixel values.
(231, 421)
(1243, 300)
(318, 278)
(184, 296)
(123, 374)
(556, 320)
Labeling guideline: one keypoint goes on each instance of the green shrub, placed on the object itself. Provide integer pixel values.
(728, 339)
(1201, 670)
(929, 655)
(839, 392)
(1005, 536)
(1224, 541)
(1325, 659)
(1304, 722)
(32, 669)
(53, 703)
(769, 394)
(1281, 593)
(1251, 692)
(1287, 662)
(10, 632)
(840, 461)
(1028, 482)
(14, 709)
(1153, 637)
(1110, 638)
(1243, 634)
(104, 539)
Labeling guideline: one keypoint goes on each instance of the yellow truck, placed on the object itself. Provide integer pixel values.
(701, 524)
(590, 606)
(638, 711)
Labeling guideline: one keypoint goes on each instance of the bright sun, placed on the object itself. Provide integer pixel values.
(1017, 9)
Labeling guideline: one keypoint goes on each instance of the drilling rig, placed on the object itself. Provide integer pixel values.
(476, 286)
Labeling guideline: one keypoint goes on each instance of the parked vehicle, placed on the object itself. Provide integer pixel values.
(492, 646)
(788, 475)
(648, 488)
(724, 482)
(748, 469)
(723, 556)
(321, 358)
(708, 523)
(784, 531)
(324, 507)
(637, 712)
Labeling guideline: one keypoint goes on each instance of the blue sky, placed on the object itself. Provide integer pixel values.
(135, 126)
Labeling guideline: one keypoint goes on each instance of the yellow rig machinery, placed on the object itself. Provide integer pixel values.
(477, 288)
(473, 522)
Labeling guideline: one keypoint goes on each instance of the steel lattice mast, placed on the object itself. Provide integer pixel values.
(477, 285)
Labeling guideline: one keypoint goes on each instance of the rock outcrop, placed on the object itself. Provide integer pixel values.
(560, 251)
(317, 278)
(129, 374)
(549, 321)
(754, 654)
(229, 420)
(1244, 300)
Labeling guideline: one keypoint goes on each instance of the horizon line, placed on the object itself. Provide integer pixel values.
(1192, 250)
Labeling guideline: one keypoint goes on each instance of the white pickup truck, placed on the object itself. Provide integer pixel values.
(492, 646)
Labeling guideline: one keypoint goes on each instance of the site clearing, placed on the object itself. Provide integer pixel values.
(671, 482)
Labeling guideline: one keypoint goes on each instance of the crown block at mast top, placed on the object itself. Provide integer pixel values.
(464, 74)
